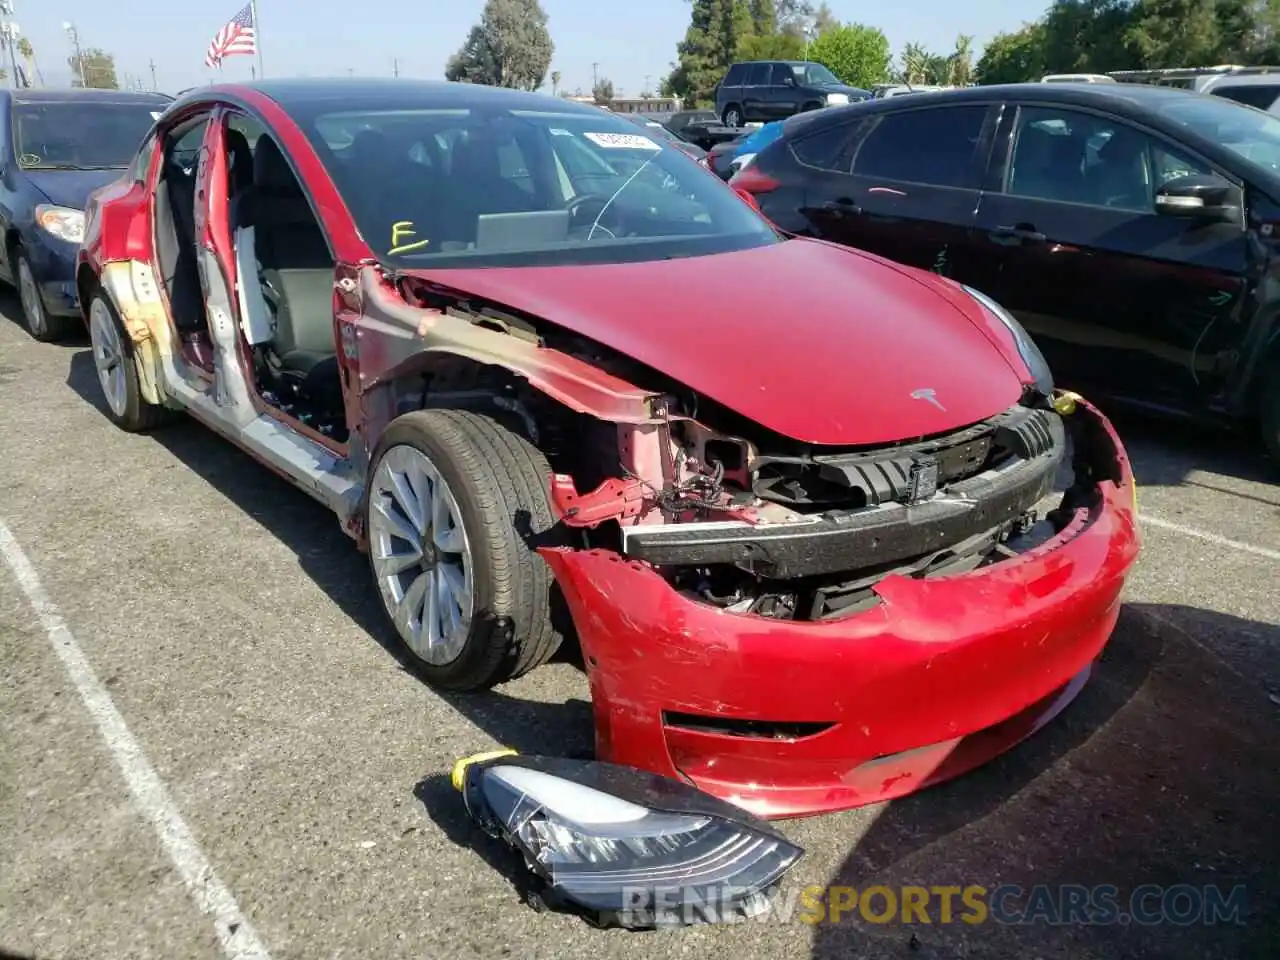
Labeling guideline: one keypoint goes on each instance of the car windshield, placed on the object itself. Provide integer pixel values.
(501, 187)
(813, 74)
(80, 135)
(1252, 134)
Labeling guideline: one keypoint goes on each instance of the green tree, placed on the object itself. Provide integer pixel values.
(961, 66)
(764, 17)
(555, 82)
(775, 46)
(95, 68)
(857, 54)
(710, 43)
(602, 92)
(1016, 57)
(509, 47)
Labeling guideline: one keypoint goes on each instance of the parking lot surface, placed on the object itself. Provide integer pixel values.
(210, 748)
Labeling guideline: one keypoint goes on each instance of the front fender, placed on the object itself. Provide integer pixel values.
(132, 290)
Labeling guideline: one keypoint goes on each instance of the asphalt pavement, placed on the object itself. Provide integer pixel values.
(210, 748)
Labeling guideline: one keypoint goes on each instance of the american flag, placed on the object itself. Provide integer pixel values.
(236, 36)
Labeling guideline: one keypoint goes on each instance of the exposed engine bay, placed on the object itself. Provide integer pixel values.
(753, 522)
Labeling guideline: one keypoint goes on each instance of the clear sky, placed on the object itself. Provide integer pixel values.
(629, 40)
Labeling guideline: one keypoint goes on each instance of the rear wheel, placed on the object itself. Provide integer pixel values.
(732, 115)
(455, 507)
(40, 324)
(117, 375)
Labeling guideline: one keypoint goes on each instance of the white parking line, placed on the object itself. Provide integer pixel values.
(1151, 521)
(235, 934)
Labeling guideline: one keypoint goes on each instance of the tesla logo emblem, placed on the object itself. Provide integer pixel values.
(927, 393)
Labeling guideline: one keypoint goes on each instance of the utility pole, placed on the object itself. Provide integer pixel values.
(395, 67)
(152, 65)
(595, 76)
(647, 78)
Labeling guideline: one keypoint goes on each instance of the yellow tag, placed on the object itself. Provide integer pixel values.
(1064, 402)
(460, 766)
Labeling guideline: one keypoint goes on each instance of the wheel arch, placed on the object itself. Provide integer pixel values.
(129, 287)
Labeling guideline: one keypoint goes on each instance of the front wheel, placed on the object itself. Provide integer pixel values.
(456, 505)
(732, 116)
(117, 375)
(40, 324)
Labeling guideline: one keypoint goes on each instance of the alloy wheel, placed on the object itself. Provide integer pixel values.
(32, 305)
(421, 556)
(108, 356)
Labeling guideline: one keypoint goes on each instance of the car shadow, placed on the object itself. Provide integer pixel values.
(11, 311)
(1166, 453)
(330, 559)
(1164, 771)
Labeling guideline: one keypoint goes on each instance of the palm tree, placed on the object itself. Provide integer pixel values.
(962, 62)
(28, 53)
(555, 81)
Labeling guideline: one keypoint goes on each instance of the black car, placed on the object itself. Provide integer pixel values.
(764, 90)
(656, 129)
(56, 147)
(681, 119)
(1134, 230)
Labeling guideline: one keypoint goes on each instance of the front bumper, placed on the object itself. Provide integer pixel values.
(798, 718)
(53, 264)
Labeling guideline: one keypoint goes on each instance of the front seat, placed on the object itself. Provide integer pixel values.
(296, 272)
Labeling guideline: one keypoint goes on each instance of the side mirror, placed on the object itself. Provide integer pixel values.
(1200, 197)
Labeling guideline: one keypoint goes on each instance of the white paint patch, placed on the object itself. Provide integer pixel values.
(235, 934)
(622, 141)
(1237, 545)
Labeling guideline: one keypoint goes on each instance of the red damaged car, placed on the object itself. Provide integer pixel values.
(797, 500)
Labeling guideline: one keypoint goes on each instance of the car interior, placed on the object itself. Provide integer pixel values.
(175, 205)
(287, 314)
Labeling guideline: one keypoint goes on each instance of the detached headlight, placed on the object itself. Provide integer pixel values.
(837, 99)
(622, 846)
(1037, 366)
(62, 222)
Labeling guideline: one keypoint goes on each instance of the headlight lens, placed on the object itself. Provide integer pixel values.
(626, 847)
(62, 222)
(837, 99)
(1027, 349)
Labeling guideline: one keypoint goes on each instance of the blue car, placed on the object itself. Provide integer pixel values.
(57, 147)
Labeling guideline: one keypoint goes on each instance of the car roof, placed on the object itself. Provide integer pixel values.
(1244, 80)
(356, 93)
(85, 95)
(1134, 100)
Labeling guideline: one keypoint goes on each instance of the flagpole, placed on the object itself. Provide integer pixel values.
(257, 35)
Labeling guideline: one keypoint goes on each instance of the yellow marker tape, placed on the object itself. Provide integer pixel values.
(404, 229)
(1065, 402)
(460, 767)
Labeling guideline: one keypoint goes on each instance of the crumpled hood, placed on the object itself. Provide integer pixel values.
(70, 188)
(820, 343)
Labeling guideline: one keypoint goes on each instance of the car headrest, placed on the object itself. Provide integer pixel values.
(271, 171)
(241, 160)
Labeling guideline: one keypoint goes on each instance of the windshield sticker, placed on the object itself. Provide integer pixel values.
(402, 234)
(558, 132)
(622, 141)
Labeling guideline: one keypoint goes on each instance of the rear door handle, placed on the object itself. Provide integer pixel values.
(1022, 231)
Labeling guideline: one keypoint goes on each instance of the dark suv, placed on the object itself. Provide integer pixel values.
(764, 90)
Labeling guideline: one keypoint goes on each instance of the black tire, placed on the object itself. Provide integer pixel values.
(501, 484)
(732, 116)
(136, 415)
(1269, 419)
(42, 325)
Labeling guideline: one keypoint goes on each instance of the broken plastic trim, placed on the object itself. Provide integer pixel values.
(623, 847)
